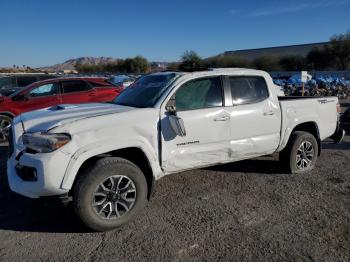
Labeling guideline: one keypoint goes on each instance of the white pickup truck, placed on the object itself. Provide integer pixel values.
(105, 157)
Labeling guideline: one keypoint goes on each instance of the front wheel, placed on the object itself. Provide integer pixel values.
(300, 154)
(110, 194)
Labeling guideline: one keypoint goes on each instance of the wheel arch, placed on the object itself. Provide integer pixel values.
(136, 155)
(6, 113)
(310, 127)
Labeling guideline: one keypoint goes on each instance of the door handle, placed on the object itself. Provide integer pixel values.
(269, 113)
(222, 118)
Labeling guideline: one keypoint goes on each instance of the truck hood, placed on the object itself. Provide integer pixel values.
(48, 118)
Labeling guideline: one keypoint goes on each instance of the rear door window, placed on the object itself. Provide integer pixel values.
(248, 89)
(75, 86)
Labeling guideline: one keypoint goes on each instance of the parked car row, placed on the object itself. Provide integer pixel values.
(12, 83)
(321, 86)
(52, 92)
(122, 80)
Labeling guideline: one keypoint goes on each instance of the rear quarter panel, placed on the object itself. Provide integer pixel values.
(321, 111)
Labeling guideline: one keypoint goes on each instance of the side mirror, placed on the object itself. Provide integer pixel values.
(20, 97)
(26, 97)
(171, 106)
(177, 124)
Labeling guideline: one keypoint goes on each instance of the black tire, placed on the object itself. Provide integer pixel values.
(4, 120)
(87, 183)
(289, 155)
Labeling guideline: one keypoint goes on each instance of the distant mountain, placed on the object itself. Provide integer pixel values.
(70, 64)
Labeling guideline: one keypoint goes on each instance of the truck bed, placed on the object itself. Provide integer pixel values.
(321, 111)
(283, 98)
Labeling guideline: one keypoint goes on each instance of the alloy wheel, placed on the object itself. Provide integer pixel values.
(305, 155)
(114, 197)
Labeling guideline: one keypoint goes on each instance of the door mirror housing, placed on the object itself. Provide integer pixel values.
(21, 97)
(176, 122)
(177, 125)
(26, 96)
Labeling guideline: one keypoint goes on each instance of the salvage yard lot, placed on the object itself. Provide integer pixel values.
(242, 211)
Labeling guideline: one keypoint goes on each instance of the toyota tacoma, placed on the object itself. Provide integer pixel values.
(105, 157)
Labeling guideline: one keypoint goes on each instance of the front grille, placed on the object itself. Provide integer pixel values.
(11, 147)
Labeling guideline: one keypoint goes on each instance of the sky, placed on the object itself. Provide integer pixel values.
(46, 32)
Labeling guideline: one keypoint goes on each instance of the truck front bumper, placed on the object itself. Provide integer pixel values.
(37, 175)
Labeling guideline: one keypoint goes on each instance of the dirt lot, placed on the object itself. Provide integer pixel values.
(238, 212)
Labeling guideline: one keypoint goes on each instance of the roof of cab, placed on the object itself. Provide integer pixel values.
(216, 71)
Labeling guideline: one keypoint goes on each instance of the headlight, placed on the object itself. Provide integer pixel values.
(45, 142)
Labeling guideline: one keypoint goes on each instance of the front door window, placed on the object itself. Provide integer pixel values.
(45, 90)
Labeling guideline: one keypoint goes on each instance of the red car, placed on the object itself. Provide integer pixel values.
(53, 92)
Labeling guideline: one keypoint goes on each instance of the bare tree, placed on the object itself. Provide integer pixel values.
(340, 48)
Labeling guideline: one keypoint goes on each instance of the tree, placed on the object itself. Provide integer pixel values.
(190, 60)
(112, 67)
(320, 58)
(88, 68)
(173, 66)
(340, 49)
(78, 67)
(136, 65)
(227, 61)
(267, 63)
(141, 65)
(293, 63)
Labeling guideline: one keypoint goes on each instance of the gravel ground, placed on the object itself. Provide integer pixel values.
(246, 211)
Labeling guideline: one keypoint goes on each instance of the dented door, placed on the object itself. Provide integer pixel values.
(255, 118)
(200, 105)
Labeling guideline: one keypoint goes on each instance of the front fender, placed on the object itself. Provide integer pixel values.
(103, 147)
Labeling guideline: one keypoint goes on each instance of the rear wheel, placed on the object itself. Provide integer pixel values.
(110, 194)
(5, 124)
(300, 154)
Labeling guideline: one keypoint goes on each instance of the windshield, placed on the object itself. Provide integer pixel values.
(145, 91)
